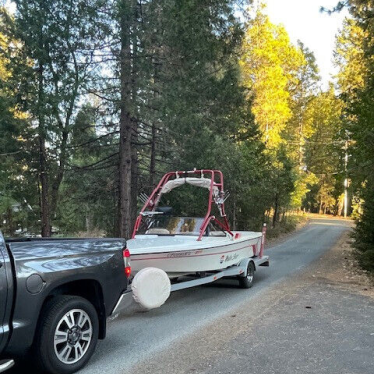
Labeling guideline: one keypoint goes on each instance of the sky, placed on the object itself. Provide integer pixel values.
(303, 21)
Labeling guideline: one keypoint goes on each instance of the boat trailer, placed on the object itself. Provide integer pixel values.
(237, 271)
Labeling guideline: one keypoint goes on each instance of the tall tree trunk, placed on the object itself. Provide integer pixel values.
(125, 146)
(152, 163)
(234, 219)
(134, 183)
(125, 169)
(60, 174)
(10, 222)
(276, 209)
(43, 176)
(88, 219)
(134, 166)
(134, 134)
(301, 149)
(44, 198)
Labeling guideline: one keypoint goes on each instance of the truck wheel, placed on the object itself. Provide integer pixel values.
(247, 280)
(67, 334)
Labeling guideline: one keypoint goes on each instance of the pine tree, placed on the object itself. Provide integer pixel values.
(355, 48)
(60, 46)
(15, 197)
(270, 65)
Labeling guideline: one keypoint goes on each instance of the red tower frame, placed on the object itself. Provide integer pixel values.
(216, 178)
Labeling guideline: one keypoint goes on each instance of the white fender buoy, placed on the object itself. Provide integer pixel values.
(151, 287)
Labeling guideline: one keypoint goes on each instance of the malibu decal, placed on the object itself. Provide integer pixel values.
(231, 257)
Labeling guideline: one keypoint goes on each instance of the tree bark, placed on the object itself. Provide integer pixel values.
(44, 198)
(125, 146)
(234, 220)
(88, 219)
(125, 172)
(60, 173)
(134, 184)
(11, 227)
(134, 134)
(43, 176)
(276, 208)
(152, 163)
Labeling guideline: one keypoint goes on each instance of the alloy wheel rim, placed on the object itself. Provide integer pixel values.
(250, 274)
(73, 336)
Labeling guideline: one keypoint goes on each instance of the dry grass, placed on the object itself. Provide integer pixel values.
(340, 267)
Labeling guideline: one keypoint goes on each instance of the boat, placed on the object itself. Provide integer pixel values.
(188, 245)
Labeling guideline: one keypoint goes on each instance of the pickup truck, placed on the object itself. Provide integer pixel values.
(55, 297)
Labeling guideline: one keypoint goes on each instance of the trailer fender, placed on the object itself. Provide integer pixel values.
(244, 265)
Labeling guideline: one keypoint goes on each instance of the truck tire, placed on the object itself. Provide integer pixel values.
(247, 280)
(67, 335)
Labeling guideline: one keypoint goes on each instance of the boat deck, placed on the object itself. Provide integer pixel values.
(177, 243)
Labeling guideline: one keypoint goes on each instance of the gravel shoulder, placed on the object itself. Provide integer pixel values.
(341, 269)
(318, 321)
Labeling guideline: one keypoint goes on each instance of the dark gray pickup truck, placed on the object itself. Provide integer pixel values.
(55, 297)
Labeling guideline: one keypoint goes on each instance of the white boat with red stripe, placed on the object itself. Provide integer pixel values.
(185, 245)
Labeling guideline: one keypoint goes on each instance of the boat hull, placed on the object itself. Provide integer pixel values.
(177, 256)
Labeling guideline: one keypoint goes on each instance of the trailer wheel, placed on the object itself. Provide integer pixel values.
(67, 335)
(247, 280)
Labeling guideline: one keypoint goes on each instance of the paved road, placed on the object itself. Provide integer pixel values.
(138, 337)
(318, 321)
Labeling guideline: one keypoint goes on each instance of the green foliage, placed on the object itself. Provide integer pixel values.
(270, 66)
(324, 152)
(364, 233)
(198, 88)
(88, 192)
(355, 48)
(287, 225)
(18, 194)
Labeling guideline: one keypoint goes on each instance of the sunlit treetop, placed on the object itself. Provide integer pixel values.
(350, 57)
(270, 66)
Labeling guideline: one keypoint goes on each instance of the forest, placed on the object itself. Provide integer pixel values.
(98, 99)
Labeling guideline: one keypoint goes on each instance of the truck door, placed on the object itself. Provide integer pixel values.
(3, 287)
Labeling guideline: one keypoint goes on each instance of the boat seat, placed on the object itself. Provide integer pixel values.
(158, 231)
(217, 233)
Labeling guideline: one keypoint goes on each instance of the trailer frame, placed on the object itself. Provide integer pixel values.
(237, 271)
(233, 271)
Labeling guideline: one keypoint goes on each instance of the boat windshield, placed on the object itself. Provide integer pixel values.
(168, 225)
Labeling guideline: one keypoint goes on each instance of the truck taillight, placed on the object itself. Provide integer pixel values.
(128, 271)
(126, 258)
(126, 253)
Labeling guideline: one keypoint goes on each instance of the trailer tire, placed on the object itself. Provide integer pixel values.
(82, 331)
(151, 288)
(247, 280)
